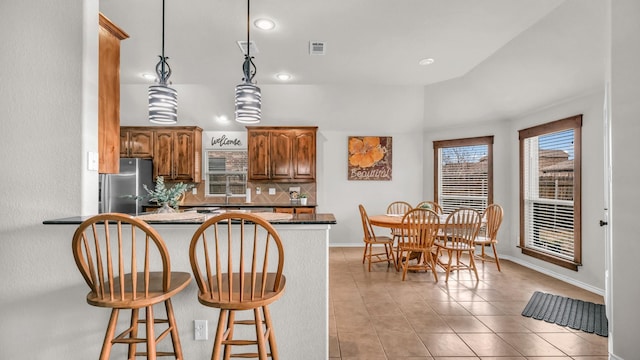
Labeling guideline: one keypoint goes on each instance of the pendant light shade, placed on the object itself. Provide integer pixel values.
(163, 100)
(248, 103)
(248, 97)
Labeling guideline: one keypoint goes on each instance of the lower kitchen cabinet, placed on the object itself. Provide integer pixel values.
(295, 210)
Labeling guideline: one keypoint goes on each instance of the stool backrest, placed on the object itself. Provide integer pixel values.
(116, 254)
(231, 256)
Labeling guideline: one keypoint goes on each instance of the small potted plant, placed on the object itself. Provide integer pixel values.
(303, 199)
(167, 198)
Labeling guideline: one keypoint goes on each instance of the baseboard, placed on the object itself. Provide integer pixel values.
(554, 274)
(613, 357)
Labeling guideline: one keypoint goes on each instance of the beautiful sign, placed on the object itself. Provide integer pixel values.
(369, 158)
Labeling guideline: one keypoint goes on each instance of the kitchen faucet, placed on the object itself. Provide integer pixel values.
(227, 192)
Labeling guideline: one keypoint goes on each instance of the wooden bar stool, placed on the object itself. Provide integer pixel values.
(237, 261)
(115, 253)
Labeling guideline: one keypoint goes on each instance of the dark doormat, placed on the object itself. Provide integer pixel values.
(576, 314)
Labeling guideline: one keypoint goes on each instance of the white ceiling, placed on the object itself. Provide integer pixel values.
(377, 42)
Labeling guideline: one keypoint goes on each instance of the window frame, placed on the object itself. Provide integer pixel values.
(473, 141)
(243, 174)
(575, 123)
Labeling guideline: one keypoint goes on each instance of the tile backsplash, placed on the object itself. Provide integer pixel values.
(281, 195)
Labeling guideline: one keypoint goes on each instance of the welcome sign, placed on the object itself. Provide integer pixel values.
(224, 140)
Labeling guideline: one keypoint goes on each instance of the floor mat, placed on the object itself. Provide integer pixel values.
(576, 314)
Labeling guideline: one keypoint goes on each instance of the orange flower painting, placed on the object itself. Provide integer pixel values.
(369, 158)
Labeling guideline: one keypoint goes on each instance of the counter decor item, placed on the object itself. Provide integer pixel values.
(167, 198)
(303, 199)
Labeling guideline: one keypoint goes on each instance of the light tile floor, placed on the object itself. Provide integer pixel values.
(375, 315)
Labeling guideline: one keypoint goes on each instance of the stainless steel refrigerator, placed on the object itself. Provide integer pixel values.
(124, 192)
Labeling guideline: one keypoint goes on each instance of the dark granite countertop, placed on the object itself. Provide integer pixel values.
(297, 219)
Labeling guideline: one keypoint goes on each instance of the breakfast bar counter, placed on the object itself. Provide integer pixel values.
(300, 317)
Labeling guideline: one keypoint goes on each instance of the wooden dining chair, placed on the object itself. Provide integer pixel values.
(461, 229)
(430, 205)
(397, 208)
(420, 227)
(370, 239)
(492, 215)
(126, 264)
(237, 261)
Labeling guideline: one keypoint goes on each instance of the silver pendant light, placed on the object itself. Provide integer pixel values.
(163, 100)
(248, 98)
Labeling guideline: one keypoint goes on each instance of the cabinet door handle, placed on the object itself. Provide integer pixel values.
(603, 223)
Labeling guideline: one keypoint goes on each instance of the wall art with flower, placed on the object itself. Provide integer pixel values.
(370, 158)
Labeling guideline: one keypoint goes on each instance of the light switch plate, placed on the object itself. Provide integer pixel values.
(272, 191)
(92, 160)
(258, 190)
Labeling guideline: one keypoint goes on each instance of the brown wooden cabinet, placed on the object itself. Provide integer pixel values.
(109, 37)
(295, 210)
(136, 142)
(177, 153)
(282, 154)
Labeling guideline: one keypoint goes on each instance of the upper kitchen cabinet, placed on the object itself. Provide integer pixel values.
(109, 37)
(136, 142)
(177, 153)
(282, 154)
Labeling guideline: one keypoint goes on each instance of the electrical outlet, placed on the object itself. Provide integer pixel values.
(258, 190)
(272, 191)
(194, 191)
(200, 330)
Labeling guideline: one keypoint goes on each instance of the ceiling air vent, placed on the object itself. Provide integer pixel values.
(242, 44)
(317, 48)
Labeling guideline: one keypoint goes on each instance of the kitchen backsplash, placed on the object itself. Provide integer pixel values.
(282, 194)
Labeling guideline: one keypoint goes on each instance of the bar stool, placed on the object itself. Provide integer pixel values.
(237, 261)
(115, 252)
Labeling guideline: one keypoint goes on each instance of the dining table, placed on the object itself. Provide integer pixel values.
(394, 221)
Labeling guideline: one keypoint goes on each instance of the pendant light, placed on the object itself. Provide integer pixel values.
(248, 97)
(163, 100)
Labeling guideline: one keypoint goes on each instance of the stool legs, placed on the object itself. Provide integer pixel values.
(263, 329)
(175, 338)
(272, 336)
(134, 333)
(111, 330)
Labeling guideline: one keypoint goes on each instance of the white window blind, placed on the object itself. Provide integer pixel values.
(463, 177)
(549, 193)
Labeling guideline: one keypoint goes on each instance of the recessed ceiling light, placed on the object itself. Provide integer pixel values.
(264, 24)
(428, 61)
(283, 76)
(148, 76)
(222, 119)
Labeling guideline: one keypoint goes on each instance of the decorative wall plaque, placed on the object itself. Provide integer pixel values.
(369, 158)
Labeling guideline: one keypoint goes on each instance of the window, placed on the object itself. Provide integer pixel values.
(463, 173)
(226, 172)
(550, 192)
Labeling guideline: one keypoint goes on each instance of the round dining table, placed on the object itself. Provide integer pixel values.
(394, 221)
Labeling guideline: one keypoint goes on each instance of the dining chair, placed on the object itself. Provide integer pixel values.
(370, 239)
(461, 229)
(237, 261)
(398, 208)
(492, 215)
(126, 264)
(420, 227)
(431, 205)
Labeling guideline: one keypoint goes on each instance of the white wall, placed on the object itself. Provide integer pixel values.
(625, 77)
(48, 100)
